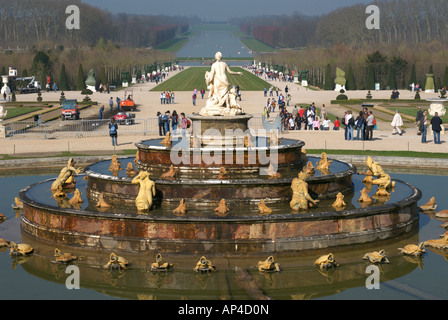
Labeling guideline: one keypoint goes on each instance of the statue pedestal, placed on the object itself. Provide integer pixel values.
(134, 80)
(304, 83)
(2, 131)
(125, 84)
(437, 106)
(338, 88)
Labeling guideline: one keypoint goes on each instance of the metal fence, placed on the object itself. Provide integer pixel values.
(80, 128)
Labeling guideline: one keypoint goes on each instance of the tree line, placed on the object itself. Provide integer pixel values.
(26, 23)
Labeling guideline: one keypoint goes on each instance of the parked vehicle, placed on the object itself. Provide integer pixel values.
(32, 87)
(70, 110)
(128, 103)
(125, 118)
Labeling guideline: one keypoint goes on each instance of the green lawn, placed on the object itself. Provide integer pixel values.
(18, 111)
(413, 112)
(194, 78)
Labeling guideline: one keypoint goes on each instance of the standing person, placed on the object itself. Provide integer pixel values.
(326, 124)
(166, 121)
(161, 124)
(418, 120)
(174, 121)
(436, 124)
(111, 104)
(360, 125)
(425, 126)
(172, 96)
(194, 98)
(113, 131)
(396, 123)
(183, 125)
(350, 126)
(323, 112)
(55, 87)
(118, 100)
(370, 125)
(162, 97)
(101, 112)
(202, 93)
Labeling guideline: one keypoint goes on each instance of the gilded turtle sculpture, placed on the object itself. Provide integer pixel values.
(116, 262)
(376, 257)
(204, 265)
(430, 206)
(326, 261)
(160, 265)
(2, 217)
(442, 214)
(17, 205)
(4, 243)
(21, 249)
(269, 265)
(63, 257)
(437, 243)
(413, 250)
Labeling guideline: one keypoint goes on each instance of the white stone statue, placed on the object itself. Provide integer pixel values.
(221, 100)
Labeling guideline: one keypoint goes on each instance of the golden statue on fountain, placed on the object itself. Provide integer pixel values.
(301, 199)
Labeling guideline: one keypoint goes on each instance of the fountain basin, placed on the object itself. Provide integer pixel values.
(282, 232)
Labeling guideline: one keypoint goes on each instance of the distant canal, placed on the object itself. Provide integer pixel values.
(207, 40)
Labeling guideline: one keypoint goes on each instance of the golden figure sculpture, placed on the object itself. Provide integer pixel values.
(144, 200)
(102, 204)
(2, 217)
(248, 143)
(181, 209)
(66, 178)
(115, 166)
(383, 179)
(324, 163)
(167, 141)
(222, 173)
(301, 199)
(130, 171)
(365, 197)
(204, 265)
(309, 169)
(263, 208)
(273, 139)
(272, 173)
(368, 180)
(269, 265)
(76, 199)
(339, 204)
(170, 174)
(222, 209)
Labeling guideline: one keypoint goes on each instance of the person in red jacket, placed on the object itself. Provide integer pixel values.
(337, 124)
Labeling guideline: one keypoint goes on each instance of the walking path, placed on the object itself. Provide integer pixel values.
(252, 102)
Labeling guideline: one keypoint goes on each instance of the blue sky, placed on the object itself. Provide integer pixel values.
(222, 10)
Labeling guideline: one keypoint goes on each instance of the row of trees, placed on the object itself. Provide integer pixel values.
(66, 66)
(391, 66)
(401, 21)
(27, 22)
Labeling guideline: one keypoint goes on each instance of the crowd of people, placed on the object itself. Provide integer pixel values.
(171, 122)
(167, 97)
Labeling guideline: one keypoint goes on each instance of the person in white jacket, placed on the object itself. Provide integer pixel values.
(397, 123)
